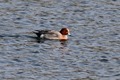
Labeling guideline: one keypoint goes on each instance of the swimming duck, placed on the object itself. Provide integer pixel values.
(52, 34)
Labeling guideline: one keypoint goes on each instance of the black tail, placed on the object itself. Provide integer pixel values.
(37, 33)
(40, 32)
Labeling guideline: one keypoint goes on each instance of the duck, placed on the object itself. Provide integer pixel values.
(53, 34)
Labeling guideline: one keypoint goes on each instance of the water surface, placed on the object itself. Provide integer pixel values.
(91, 53)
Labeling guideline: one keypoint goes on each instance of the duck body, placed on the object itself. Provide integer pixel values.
(52, 34)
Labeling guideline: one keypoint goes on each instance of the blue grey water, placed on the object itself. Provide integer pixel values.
(92, 52)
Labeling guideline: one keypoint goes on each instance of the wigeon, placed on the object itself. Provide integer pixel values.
(52, 34)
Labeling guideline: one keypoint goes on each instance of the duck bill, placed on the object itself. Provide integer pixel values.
(69, 34)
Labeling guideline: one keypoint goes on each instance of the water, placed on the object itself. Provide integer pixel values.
(91, 53)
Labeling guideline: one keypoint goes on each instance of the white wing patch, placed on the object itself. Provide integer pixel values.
(42, 36)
